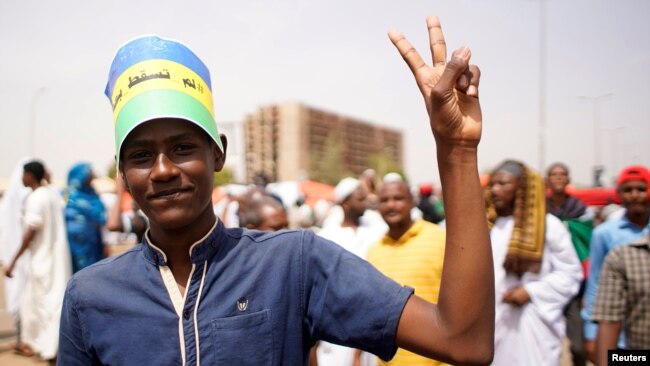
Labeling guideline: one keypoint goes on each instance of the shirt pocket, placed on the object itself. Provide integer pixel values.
(244, 339)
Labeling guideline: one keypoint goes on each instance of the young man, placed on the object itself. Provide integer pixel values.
(624, 297)
(410, 253)
(632, 188)
(573, 214)
(49, 264)
(197, 293)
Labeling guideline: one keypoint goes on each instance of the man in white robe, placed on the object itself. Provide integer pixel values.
(356, 234)
(11, 234)
(49, 264)
(529, 320)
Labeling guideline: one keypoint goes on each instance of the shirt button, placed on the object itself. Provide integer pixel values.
(186, 314)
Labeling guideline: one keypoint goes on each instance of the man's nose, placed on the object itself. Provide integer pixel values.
(164, 168)
(638, 193)
(495, 189)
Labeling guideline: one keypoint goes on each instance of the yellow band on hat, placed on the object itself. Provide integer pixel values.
(158, 74)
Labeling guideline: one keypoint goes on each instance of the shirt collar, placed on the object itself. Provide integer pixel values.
(643, 242)
(414, 230)
(201, 250)
(625, 222)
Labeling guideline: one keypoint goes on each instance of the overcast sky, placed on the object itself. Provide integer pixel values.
(335, 55)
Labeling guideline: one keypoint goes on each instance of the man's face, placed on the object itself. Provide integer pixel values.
(557, 179)
(634, 196)
(28, 178)
(503, 186)
(355, 204)
(395, 203)
(168, 167)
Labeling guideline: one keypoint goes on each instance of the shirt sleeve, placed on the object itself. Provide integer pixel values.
(555, 289)
(72, 346)
(348, 301)
(611, 297)
(597, 254)
(34, 211)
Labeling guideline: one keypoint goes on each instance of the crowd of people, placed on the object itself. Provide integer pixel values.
(465, 274)
(548, 264)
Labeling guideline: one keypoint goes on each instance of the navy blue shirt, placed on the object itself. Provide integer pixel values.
(253, 298)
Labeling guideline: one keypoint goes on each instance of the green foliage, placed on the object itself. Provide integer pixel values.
(225, 176)
(112, 171)
(327, 167)
(383, 164)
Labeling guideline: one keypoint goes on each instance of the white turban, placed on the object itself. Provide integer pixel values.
(392, 177)
(345, 188)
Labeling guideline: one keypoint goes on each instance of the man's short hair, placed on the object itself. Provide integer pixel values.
(36, 169)
(557, 165)
(252, 217)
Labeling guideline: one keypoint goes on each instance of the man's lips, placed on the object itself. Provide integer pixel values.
(497, 200)
(167, 193)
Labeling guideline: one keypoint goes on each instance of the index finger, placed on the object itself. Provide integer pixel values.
(406, 49)
(436, 41)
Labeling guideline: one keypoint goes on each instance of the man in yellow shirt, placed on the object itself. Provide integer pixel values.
(411, 253)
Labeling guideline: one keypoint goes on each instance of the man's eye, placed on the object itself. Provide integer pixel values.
(185, 147)
(138, 155)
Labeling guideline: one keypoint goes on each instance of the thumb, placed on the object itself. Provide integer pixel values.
(458, 65)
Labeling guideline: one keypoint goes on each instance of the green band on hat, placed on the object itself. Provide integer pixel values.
(163, 104)
(153, 78)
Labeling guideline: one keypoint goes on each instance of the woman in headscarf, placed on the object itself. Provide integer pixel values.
(536, 268)
(85, 216)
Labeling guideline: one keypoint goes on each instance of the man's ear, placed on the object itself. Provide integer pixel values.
(220, 156)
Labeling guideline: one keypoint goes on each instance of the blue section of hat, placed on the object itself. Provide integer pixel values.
(153, 47)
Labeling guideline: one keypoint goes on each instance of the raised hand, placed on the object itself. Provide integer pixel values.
(450, 89)
(459, 329)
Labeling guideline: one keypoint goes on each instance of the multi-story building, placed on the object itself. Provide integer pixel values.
(291, 141)
(235, 160)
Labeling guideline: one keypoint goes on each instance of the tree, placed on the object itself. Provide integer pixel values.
(112, 171)
(327, 166)
(383, 164)
(225, 176)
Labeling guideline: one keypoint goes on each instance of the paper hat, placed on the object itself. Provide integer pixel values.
(153, 77)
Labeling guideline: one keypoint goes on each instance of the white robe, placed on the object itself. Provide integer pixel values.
(532, 334)
(11, 237)
(50, 270)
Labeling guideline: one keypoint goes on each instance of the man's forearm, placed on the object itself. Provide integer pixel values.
(468, 275)
(28, 236)
(608, 333)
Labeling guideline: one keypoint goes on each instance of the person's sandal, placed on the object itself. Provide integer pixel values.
(23, 350)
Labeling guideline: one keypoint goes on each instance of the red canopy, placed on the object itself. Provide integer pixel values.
(598, 196)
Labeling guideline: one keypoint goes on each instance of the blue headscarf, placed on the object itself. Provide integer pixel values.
(85, 215)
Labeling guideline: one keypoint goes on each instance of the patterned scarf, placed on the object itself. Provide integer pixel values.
(528, 236)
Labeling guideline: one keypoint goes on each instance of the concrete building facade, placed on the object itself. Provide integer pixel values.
(287, 142)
